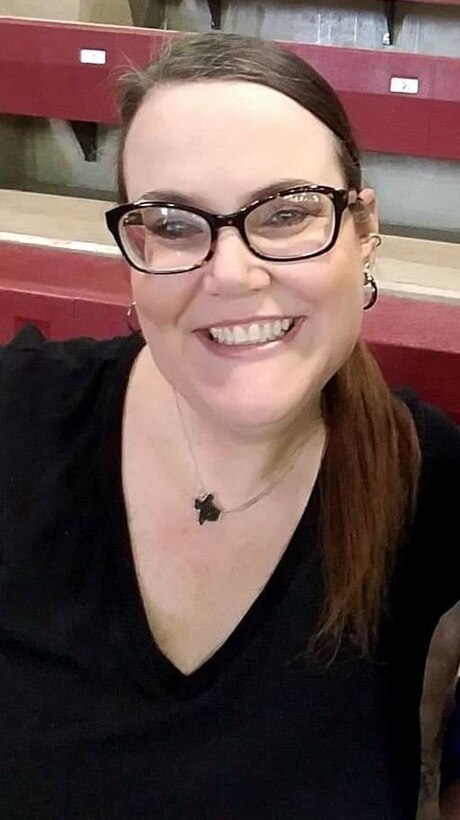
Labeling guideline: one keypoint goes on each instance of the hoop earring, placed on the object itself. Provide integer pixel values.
(377, 237)
(134, 330)
(370, 281)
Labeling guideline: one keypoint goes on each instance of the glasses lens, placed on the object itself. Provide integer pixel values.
(296, 224)
(161, 240)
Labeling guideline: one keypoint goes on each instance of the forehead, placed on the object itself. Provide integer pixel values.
(218, 140)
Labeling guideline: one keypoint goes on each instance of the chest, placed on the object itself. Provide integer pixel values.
(198, 582)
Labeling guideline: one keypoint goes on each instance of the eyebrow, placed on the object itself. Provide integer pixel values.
(181, 198)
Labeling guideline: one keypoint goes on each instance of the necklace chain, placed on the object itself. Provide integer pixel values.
(207, 499)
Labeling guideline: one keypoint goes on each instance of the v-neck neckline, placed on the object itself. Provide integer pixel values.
(146, 660)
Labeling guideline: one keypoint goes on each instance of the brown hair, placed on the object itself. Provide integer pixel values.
(369, 476)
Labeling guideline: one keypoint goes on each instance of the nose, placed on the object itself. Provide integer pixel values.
(233, 269)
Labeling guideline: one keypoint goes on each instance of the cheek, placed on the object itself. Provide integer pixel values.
(332, 289)
(331, 282)
(160, 300)
(340, 301)
(341, 320)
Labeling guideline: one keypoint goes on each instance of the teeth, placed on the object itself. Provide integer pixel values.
(268, 332)
(239, 336)
(251, 334)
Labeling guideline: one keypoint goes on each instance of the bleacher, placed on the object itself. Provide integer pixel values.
(74, 281)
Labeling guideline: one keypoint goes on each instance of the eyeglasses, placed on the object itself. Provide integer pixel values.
(164, 237)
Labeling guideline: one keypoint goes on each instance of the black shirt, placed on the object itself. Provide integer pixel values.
(95, 722)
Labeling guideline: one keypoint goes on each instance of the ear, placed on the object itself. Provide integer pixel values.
(368, 224)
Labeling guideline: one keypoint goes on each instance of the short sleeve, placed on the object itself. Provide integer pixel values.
(53, 400)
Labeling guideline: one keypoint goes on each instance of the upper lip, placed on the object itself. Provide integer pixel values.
(245, 320)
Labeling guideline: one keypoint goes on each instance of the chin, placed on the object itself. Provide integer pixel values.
(257, 408)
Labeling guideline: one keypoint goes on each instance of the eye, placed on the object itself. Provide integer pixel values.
(292, 211)
(286, 216)
(173, 229)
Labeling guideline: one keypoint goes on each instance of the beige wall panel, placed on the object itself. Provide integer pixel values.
(117, 12)
(42, 9)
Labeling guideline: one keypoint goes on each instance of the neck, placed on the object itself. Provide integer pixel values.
(240, 462)
(237, 462)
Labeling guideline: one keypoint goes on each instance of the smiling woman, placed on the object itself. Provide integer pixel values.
(213, 610)
(299, 131)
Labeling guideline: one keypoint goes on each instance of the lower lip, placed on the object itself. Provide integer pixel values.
(251, 351)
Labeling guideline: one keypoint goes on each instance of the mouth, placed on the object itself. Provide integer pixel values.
(250, 335)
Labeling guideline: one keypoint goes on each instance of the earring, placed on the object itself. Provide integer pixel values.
(129, 319)
(369, 281)
(377, 237)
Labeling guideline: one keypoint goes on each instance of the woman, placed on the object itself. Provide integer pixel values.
(225, 543)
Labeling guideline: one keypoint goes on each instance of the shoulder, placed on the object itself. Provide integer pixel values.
(30, 344)
(439, 482)
(439, 438)
(432, 552)
(436, 520)
(30, 362)
(49, 390)
(58, 402)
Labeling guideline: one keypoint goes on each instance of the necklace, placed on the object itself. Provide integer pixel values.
(204, 503)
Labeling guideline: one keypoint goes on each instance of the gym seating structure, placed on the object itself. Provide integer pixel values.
(43, 76)
(67, 294)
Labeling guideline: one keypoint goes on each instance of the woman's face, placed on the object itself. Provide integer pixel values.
(218, 143)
